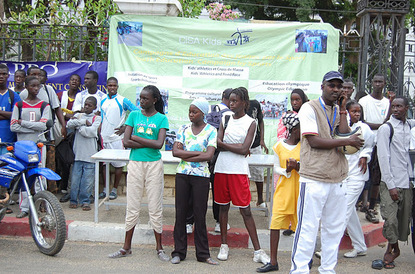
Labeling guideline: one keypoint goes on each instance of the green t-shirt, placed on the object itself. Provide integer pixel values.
(148, 128)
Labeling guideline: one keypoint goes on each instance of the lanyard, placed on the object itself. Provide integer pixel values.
(328, 120)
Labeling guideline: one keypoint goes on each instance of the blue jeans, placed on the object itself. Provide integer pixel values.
(82, 182)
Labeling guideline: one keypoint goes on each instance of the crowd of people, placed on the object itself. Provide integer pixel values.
(333, 154)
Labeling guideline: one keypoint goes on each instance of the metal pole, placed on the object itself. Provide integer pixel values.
(401, 56)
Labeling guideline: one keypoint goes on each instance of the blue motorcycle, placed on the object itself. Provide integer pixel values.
(19, 170)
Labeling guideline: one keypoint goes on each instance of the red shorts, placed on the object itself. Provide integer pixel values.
(232, 187)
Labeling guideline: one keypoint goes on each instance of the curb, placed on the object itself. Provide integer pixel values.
(12, 226)
(143, 234)
(373, 236)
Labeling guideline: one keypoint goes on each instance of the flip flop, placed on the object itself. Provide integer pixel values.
(86, 208)
(390, 265)
(211, 261)
(377, 264)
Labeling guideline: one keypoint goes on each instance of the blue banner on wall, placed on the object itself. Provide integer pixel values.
(59, 73)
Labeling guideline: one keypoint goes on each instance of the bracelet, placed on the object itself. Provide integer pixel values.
(343, 112)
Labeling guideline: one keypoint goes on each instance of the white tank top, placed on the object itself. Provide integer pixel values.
(236, 132)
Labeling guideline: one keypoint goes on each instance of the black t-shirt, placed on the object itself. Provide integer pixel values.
(255, 112)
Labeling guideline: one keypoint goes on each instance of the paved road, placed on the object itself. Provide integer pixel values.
(20, 255)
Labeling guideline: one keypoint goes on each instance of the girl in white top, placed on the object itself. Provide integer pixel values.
(235, 137)
(355, 181)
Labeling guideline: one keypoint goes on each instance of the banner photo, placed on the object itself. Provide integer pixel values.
(190, 58)
(59, 73)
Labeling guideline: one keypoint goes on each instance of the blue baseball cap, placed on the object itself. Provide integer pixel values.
(332, 75)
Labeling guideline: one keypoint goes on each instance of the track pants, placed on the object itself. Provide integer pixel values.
(325, 202)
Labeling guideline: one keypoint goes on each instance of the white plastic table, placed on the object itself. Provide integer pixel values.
(119, 155)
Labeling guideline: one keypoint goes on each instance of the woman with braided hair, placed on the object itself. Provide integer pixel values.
(286, 165)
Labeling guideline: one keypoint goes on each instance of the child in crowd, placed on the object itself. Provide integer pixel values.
(29, 120)
(8, 99)
(297, 99)
(85, 145)
(355, 181)
(67, 98)
(19, 78)
(235, 137)
(287, 165)
(195, 145)
(145, 134)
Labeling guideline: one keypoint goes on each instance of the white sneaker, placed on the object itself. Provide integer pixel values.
(354, 253)
(223, 252)
(261, 257)
(263, 205)
(217, 227)
(189, 228)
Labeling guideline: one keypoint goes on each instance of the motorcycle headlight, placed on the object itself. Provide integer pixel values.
(33, 158)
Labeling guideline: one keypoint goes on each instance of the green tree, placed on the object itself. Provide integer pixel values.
(192, 8)
(411, 15)
(336, 12)
(52, 32)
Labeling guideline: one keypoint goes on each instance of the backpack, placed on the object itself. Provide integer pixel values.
(20, 106)
(214, 117)
(11, 96)
(392, 131)
(52, 111)
(65, 149)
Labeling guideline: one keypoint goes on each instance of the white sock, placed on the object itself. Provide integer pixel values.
(114, 190)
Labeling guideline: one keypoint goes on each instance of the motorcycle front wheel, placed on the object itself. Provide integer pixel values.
(50, 233)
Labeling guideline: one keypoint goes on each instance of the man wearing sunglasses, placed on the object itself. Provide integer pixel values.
(323, 168)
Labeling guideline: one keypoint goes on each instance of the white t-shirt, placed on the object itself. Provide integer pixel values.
(308, 121)
(81, 97)
(374, 110)
(235, 133)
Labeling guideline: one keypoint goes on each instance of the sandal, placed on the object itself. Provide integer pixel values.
(377, 264)
(211, 261)
(288, 232)
(9, 211)
(86, 207)
(371, 216)
(120, 253)
(387, 265)
(73, 206)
